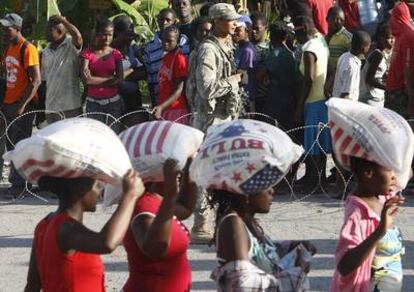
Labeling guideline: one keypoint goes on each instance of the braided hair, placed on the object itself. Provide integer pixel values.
(225, 201)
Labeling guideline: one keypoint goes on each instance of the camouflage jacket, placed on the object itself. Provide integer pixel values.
(212, 89)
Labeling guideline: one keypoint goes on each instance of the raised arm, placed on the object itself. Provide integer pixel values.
(75, 236)
(187, 196)
(153, 234)
(72, 30)
(354, 257)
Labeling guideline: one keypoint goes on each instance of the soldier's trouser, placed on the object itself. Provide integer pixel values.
(202, 210)
(201, 213)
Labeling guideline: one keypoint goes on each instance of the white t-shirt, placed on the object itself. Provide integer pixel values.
(60, 70)
(347, 76)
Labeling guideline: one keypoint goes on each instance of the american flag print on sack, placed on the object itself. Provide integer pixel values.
(371, 133)
(345, 145)
(261, 180)
(76, 147)
(244, 156)
(151, 136)
(150, 144)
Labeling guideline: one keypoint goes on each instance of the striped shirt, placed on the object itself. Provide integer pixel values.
(338, 44)
(153, 57)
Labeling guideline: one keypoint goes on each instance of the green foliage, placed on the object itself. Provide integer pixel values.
(153, 6)
(141, 25)
(150, 10)
(79, 13)
(66, 6)
(38, 14)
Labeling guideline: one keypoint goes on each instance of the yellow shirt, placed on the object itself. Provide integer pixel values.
(318, 47)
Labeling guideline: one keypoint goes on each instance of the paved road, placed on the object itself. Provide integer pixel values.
(316, 218)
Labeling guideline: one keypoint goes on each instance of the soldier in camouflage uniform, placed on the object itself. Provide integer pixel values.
(213, 83)
(213, 90)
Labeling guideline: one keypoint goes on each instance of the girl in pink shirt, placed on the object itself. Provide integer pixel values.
(367, 221)
(102, 73)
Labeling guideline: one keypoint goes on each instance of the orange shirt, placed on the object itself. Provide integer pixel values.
(17, 76)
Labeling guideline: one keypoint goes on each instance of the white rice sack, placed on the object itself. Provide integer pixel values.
(78, 147)
(376, 134)
(150, 144)
(244, 156)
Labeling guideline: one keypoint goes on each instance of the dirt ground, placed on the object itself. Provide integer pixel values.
(316, 218)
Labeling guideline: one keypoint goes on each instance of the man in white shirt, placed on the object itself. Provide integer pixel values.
(348, 70)
(60, 69)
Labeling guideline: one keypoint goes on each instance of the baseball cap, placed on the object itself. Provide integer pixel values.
(11, 19)
(224, 11)
(244, 21)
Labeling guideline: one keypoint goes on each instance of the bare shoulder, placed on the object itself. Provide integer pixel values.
(233, 240)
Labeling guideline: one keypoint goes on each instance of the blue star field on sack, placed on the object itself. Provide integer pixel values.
(261, 180)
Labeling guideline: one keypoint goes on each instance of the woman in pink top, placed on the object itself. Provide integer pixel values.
(367, 219)
(102, 73)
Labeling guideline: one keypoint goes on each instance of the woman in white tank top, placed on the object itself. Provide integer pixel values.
(374, 71)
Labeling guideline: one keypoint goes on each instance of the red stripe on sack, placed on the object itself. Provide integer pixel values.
(338, 134)
(331, 124)
(163, 136)
(40, 163)
(35, 175)
(151, 138)
(344, 159)
(139, 138)
(122, 135)
(345, 143)
(129, 139)
(355, 149)
(70, 174)
(57, 172)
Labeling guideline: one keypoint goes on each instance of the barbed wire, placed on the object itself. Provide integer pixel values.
(112, 122)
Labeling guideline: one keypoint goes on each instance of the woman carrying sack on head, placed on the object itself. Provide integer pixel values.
(239, 162)
(157, 241)
(65, 253)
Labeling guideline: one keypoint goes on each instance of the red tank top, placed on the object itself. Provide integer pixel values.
(79, 272)
(171, 273)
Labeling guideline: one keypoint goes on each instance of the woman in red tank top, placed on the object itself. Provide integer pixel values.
(65, 253)
(157, 242)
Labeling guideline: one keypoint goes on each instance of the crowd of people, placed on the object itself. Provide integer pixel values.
(201, 72)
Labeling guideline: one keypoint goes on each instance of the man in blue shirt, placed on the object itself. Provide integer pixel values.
(247, 58)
